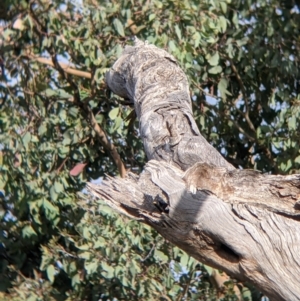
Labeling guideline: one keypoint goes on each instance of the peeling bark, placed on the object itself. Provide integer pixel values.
(240, 221)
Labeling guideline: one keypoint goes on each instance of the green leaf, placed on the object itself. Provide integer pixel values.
(215, 70)
(53, 194)
(132, 270)
(61, 93)
(51, 273)
(209, 270)
(109, 271)
(297, 159)
(235, 19)
(214, 60)
(100, 242)
(85, 255)
(62, 151)
(288, 165)
(73, 112)
(161, 256)
(119, 27)
(118, 123)
(46, 258)
(292, 123)
(86, 233)
(230, 50)
(270, 30)
(196, 37)
(42, 129)
(93, 104)
(223, 24)
(99, 118)
(172, 46)
(178, 32)
(223, 7)
(141, 290)
(62, 114)
(152, 17)
(49, 92)
(222, 87)
(246, 293)
(76, 280)
(58, 186)
(48, 206)
(28, 232)
(114, 113)
(242, 41)
(211, 40)
(91, 267)
(26, 139)
(124, 281)
(184, 259)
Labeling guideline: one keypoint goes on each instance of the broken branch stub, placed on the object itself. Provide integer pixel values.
(240, 221)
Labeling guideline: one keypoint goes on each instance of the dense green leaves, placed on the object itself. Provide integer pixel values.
(242, 60)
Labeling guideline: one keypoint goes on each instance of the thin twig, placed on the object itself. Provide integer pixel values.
(204, 92)
(148, 255)
(241, 84)
(66, 76)
(242, 131)
(107, 144)
(61, 68)
(66, 253)
(61, 165)
(65, 67)
(186, 287)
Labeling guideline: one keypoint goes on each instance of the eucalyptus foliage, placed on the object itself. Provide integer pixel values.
(242, 61)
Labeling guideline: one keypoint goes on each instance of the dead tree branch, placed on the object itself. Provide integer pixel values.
(240, 221)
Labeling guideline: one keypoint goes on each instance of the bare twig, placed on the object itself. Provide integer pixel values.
(67, 253)
(100, 133)
(65, 71)
(66, 77)
(205, 92)
(186, 287)
(241, 84)
(149, 254)
(62, 165)
(242, 131)
(65, 67)
(107, 144)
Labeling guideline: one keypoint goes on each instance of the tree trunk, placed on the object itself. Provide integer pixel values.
(240, 221)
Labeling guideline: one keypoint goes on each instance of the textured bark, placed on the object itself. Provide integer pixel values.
(151, 78)
(240, 221)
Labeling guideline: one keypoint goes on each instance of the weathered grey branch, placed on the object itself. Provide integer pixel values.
(239, 221)
(151, 78)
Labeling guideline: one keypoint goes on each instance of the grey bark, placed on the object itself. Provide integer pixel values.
(151, 78)
(240, 221)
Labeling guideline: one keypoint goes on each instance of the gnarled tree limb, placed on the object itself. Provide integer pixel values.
(240, 221)
(151, 78)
